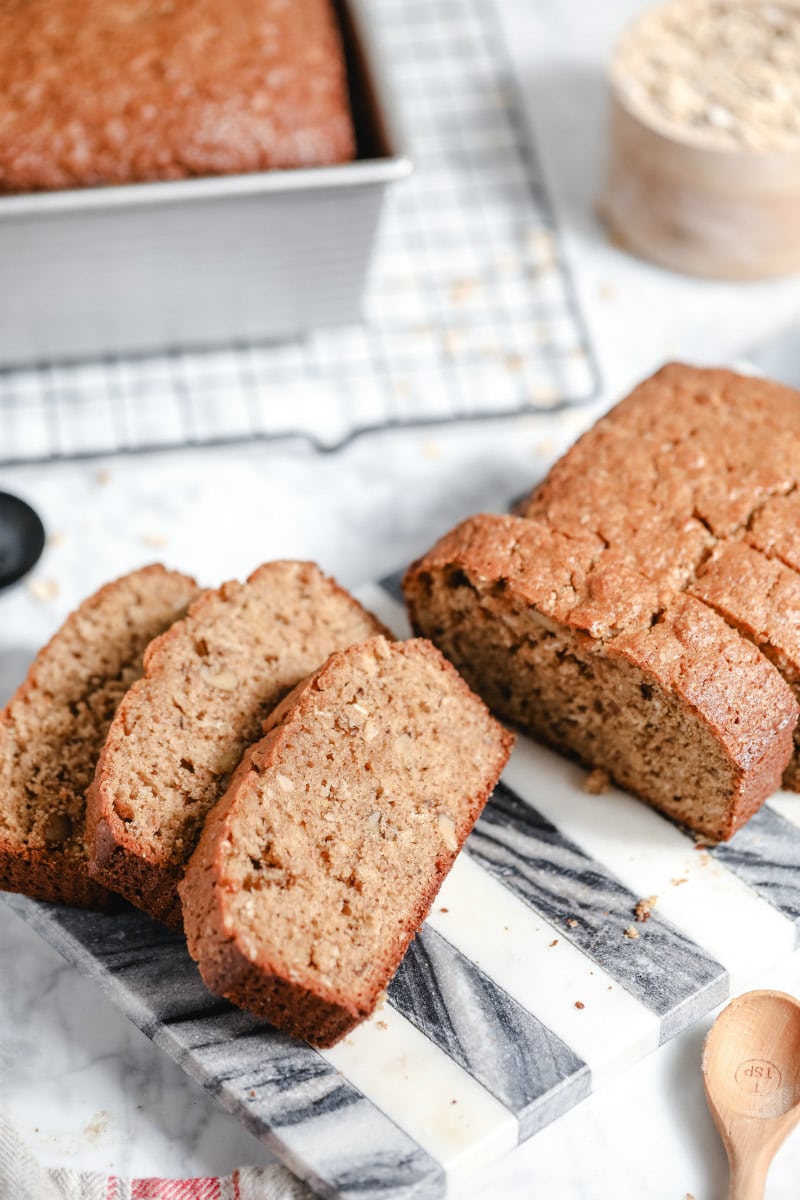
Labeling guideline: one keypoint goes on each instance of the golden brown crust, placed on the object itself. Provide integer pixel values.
(64, 679)
(114, 92)
(255, 978)
(591, 603)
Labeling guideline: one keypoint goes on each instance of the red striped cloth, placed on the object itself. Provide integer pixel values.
(22, 1178)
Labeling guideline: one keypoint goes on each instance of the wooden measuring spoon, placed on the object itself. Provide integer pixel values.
(751, 1072)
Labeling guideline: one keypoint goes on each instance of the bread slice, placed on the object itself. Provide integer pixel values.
(565, 639)
(53, 729)
(209, 683)
(323, 858)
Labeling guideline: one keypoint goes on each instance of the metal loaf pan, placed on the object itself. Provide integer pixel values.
(94, 272)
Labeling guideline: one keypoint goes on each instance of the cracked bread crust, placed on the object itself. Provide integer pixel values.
(565, 639)
(180, 732)
(53, 728)
(324, 856)
(141, 90)
(679, 480)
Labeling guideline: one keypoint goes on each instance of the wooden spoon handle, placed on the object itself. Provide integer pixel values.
(749, 1176)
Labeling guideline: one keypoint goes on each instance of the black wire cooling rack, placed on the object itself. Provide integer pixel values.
(470, 311)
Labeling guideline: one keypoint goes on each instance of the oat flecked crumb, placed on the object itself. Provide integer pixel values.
(644, 909)
(676, 882)
(597, 782)
(631, 932)
(571, 922)
(381, 1025)
(43, 589)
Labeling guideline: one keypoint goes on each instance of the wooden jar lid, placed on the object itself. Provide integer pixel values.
(719, 211)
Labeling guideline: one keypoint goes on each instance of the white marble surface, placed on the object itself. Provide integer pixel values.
(83, 1086)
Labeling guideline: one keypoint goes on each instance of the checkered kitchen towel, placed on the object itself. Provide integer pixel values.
(21, 1178)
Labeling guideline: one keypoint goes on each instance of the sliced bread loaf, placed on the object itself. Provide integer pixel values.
(692, 480)
(324, 855)
(567, 640)
(209, 683)
(53, 729)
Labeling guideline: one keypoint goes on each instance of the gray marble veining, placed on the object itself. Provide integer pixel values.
(766, 855)
(661, 966)
(521, 1062)
(285, 1091)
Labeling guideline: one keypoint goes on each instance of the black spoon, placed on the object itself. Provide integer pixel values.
(21, 539)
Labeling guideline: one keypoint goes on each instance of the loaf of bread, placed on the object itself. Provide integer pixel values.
(324, 855)
(123, 91)
(180, 732)
(53, 728)
(642, 611)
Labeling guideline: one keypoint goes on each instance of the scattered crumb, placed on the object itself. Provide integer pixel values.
(452, 342)
(463, 290)
(98, 1126)
(43, 589)
(444, 910)
(579, 1004)
(156, 540)
(571, 922)
(689, 1196)
(431, 449)
(56, 538)
(631, 932)
(507, 928)
(544, 394)
(544, 448)
(543, 245)
(678, 882)
(597, 782)
(610, 987)
(553, 943)
(454, 1102)
(252, 1091)
(644, 909)
(505, 263)
(705, 859)
(606, 291)
(381, 1025)
(102, 477)
(514, 362)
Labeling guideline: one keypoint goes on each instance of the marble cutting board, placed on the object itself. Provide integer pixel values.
(530, 984)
